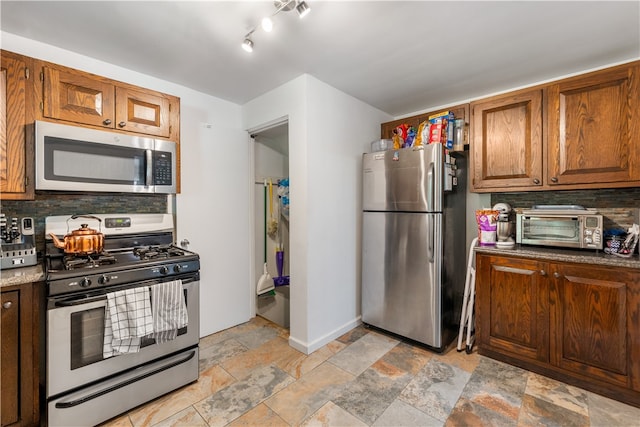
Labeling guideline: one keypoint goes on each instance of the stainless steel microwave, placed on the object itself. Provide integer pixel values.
(568, 229)
(72, 158)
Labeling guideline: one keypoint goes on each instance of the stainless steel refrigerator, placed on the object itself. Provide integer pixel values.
(413, 243)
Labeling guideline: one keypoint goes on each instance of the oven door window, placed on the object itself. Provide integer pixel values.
(87, 336)
(551, 229)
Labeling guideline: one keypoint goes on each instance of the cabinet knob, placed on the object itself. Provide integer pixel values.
(107, 122)
(536, 181)
(554, 179)
(7, 304)
(122, 124)
(556, 275)
(543, 273)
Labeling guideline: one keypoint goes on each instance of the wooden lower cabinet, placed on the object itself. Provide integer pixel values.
(574, 322)
(19, 367)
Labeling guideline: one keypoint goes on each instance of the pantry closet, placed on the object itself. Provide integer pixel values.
(271, 178)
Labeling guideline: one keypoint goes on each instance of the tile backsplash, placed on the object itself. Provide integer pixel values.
(48, 204)
(620, 207)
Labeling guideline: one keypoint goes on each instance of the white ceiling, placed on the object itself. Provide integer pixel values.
(399, 56)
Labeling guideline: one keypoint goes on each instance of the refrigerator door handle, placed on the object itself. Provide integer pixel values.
(430, 240)
(430, 189)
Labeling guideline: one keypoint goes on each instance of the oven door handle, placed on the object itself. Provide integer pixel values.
(79, 300)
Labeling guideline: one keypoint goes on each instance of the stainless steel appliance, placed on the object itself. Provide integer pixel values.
(83, 387)
(567, 226)
(505, 226)
(414, 243)
(72, 158)
(17, 243)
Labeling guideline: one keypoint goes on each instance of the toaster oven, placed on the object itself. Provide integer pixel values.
(567, 228)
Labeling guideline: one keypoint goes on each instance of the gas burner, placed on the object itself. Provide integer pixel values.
(72, 262)
(157, 251)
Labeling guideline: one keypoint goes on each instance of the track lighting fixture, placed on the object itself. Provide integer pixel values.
(303, 9)
(247, 44)
(300, 6)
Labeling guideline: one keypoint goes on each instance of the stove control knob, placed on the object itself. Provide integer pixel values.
(164, 270)
(103, 280)
(177, 268)
(85, 282)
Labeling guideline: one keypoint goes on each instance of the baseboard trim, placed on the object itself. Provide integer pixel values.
(308, 348)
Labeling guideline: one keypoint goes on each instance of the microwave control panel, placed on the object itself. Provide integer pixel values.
(162, 174)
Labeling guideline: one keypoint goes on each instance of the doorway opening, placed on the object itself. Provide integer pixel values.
(271, 188)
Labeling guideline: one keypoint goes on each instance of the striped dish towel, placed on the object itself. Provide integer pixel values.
(127, 319)
(168, 309)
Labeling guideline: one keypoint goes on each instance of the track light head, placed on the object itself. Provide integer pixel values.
(303, 9)
(267, 24)
(247, 44)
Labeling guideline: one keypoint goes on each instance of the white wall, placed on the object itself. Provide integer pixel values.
(328, 132)
(212, 211)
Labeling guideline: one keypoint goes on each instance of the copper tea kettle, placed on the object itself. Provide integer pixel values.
(83, 241)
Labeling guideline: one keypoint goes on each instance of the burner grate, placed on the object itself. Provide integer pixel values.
(157, 252)
(72, 262)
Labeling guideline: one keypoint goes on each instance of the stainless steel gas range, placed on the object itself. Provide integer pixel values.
(88, 381)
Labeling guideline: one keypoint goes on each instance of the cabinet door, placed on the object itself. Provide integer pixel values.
(78, 97)
(506, 140)
(594, 129)
(10, 357)
(13, 132)
(512, 306)
(143, 112)
(593, 311)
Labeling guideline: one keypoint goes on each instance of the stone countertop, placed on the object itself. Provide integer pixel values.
(22, 275)
(563, 255)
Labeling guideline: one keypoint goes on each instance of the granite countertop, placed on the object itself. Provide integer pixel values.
(21, 275)
(563, 255)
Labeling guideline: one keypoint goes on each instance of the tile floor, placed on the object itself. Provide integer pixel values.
(249, 376)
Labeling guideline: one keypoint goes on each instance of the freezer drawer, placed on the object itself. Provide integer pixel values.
(401, 274)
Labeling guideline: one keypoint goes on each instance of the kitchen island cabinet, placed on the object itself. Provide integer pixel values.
(574, 322)
(19, 358)
(16, 140)
(575, 133)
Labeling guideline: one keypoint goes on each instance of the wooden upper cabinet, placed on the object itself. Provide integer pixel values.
(459, 111)
(78, 97)
(84, 98)
(506, 140)
(594, 128)
(16, 141)
(577, 133)
(143, 112)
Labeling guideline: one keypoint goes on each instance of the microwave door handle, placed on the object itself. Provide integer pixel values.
(148, 179)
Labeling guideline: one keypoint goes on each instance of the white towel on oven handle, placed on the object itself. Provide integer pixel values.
(168, 309)
(127, 319)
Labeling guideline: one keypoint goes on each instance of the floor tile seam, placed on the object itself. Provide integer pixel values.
(351, 413)
(171, 415)
(397, 396)
(200, 414)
